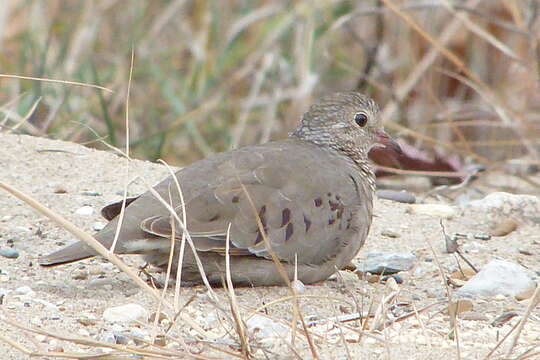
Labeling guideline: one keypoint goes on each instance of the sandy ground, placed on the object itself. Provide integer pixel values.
(71, 299)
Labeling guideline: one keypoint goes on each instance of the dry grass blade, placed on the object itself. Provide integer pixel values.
(534, 301)
(100, 249)
(25, 118)
(64, 82)
(187, 236)
(235, 310)
(279, 266)
(481, 32)
(406, 87)
(157, 352)
(379, 318)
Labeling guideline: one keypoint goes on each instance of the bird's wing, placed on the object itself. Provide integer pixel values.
(299, 196)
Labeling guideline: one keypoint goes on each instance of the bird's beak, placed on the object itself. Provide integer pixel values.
(384, 139)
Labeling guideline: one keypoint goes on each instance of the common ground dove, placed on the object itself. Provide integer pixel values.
(310, 195)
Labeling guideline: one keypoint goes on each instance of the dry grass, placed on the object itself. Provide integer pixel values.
(206, 76)
(209, 76)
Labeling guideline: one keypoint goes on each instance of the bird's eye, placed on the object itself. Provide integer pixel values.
(361, 119)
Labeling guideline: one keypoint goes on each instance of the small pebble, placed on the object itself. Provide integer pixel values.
(24, 290)
(86, 321)
(398, 196)
(504, 227)
(86, 210)
(60, 190)
(298, 286)
(91, 193)
(504, 318)
(390, 234)
(386, 263)
(125, 313)
(83, 332)
(9, 253)
(41, 338)
(80, 275)
(124, 340)
(437, 210)
(98, 225)
(397, 278)
(525, 252)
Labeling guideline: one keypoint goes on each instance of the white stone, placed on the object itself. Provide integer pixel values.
(499, 277)
(298, 286)
(24, 290)
(501, 205)
(264, 327)
(386, 262)
(438, 210)
(126, 313)
(98, 225)
(86, 210)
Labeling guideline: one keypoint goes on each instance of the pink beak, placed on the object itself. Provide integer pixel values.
(387, 141)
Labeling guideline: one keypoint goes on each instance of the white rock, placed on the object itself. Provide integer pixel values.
(298, 286)
(501, 205)
(264, 327)
(98, 225)
(47, 305)
(386, 262)
(438, 210)
(499, 277)
(474, 247)
(126, 313)
(86, 210)
(24, 290)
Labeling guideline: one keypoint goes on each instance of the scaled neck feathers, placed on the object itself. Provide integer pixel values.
(349, 150)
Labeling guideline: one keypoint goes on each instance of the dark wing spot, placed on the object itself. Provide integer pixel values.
(318, 202)
(235, 199)
(349, 220)
(288, 231)
(307, 222)
(285, 216)
(333, 205)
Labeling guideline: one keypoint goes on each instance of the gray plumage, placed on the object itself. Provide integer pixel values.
(312, 193)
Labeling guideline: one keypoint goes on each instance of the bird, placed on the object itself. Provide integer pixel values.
(304, 202)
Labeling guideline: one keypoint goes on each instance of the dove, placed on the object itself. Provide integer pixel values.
(305, 201)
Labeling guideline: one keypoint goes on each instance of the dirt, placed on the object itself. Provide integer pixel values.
(70, 300)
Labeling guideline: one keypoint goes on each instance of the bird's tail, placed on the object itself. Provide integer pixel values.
(71, 253)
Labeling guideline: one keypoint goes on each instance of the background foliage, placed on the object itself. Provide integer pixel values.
(459, 77)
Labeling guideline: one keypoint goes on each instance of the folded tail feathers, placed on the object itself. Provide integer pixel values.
(71, 253)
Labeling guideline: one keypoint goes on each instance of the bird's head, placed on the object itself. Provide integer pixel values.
(345, 121)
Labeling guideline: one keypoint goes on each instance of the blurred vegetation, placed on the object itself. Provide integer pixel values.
(461, 77)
